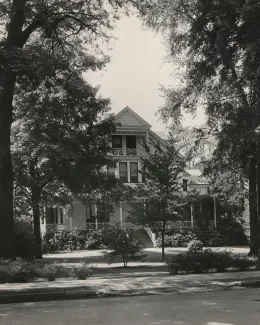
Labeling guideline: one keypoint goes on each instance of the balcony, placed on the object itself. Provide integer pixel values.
(129, 152)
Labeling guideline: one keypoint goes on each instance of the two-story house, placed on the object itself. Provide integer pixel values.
(127, 145)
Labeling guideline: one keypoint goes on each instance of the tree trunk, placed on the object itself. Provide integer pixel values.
(7, 246)
(37, 224)
(258, 206)
(253, 207)
(15, 26)
(163, 235)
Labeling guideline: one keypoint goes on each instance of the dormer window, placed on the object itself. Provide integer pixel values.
(117, 141)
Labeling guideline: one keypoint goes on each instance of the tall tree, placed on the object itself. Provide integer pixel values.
(194, 143)
(68, 28)
(60, 139)
(219, 42)
(161, 196)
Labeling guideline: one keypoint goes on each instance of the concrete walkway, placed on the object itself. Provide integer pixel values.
(126, 284)
(153, 254)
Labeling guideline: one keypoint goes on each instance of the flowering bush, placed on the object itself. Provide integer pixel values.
(71, 240)
(195, 246)
(176, 240)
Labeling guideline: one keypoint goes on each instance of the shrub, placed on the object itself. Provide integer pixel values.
(233, 230)
(71, 240)
(49, 272)
(167, 241)
(210, 237)
(198, 262)
(195, 246)
(176, 240)
(188, 263)
(94, 241)
(220, 260)
(82, 272)
(242, 263)
(16, 272)
(123, 244)
(24, 237)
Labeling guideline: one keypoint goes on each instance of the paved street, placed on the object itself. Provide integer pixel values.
(238, 307)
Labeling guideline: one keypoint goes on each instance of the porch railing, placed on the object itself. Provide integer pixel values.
(94, 226)
(128, 152)
(55, 227)
(183, 224)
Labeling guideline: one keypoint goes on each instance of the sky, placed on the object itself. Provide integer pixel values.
(136, 72)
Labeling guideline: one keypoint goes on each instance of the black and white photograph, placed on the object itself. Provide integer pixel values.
(130, 162)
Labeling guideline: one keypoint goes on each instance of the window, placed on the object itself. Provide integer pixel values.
(117, 141)
(51, 215)
(133, 172)
(130, 141)
(61, 216)
(185, 185)
(123, 175)
(111, 170)
(90, 213)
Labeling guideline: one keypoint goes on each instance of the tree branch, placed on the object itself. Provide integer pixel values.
(27, 32)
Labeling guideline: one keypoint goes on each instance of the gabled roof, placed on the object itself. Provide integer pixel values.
(204, 182)
(156, 136)
(128, 110)
(193, 172)
(162, 135)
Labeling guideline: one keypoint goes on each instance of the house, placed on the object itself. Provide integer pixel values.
(127, 144)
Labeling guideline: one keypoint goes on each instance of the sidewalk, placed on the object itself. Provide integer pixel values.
(123, 284)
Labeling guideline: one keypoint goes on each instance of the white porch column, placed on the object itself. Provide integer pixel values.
(70, 224)
(44, 225)
(191, 215)
(96, 220)
(215, 212)
(139, 175)
(121, 214)
(128, 171)
(44, 220)
(147, 136)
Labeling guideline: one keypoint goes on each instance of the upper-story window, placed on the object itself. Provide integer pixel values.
(123, 174)
(117, 141)
(128, 172)
(185, 185)
(130, 141)
(133, 172)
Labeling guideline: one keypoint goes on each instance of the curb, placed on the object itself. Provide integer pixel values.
(250, 283)
(49, 294)
(43, 295)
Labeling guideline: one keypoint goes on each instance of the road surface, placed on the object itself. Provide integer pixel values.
(237, 307)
